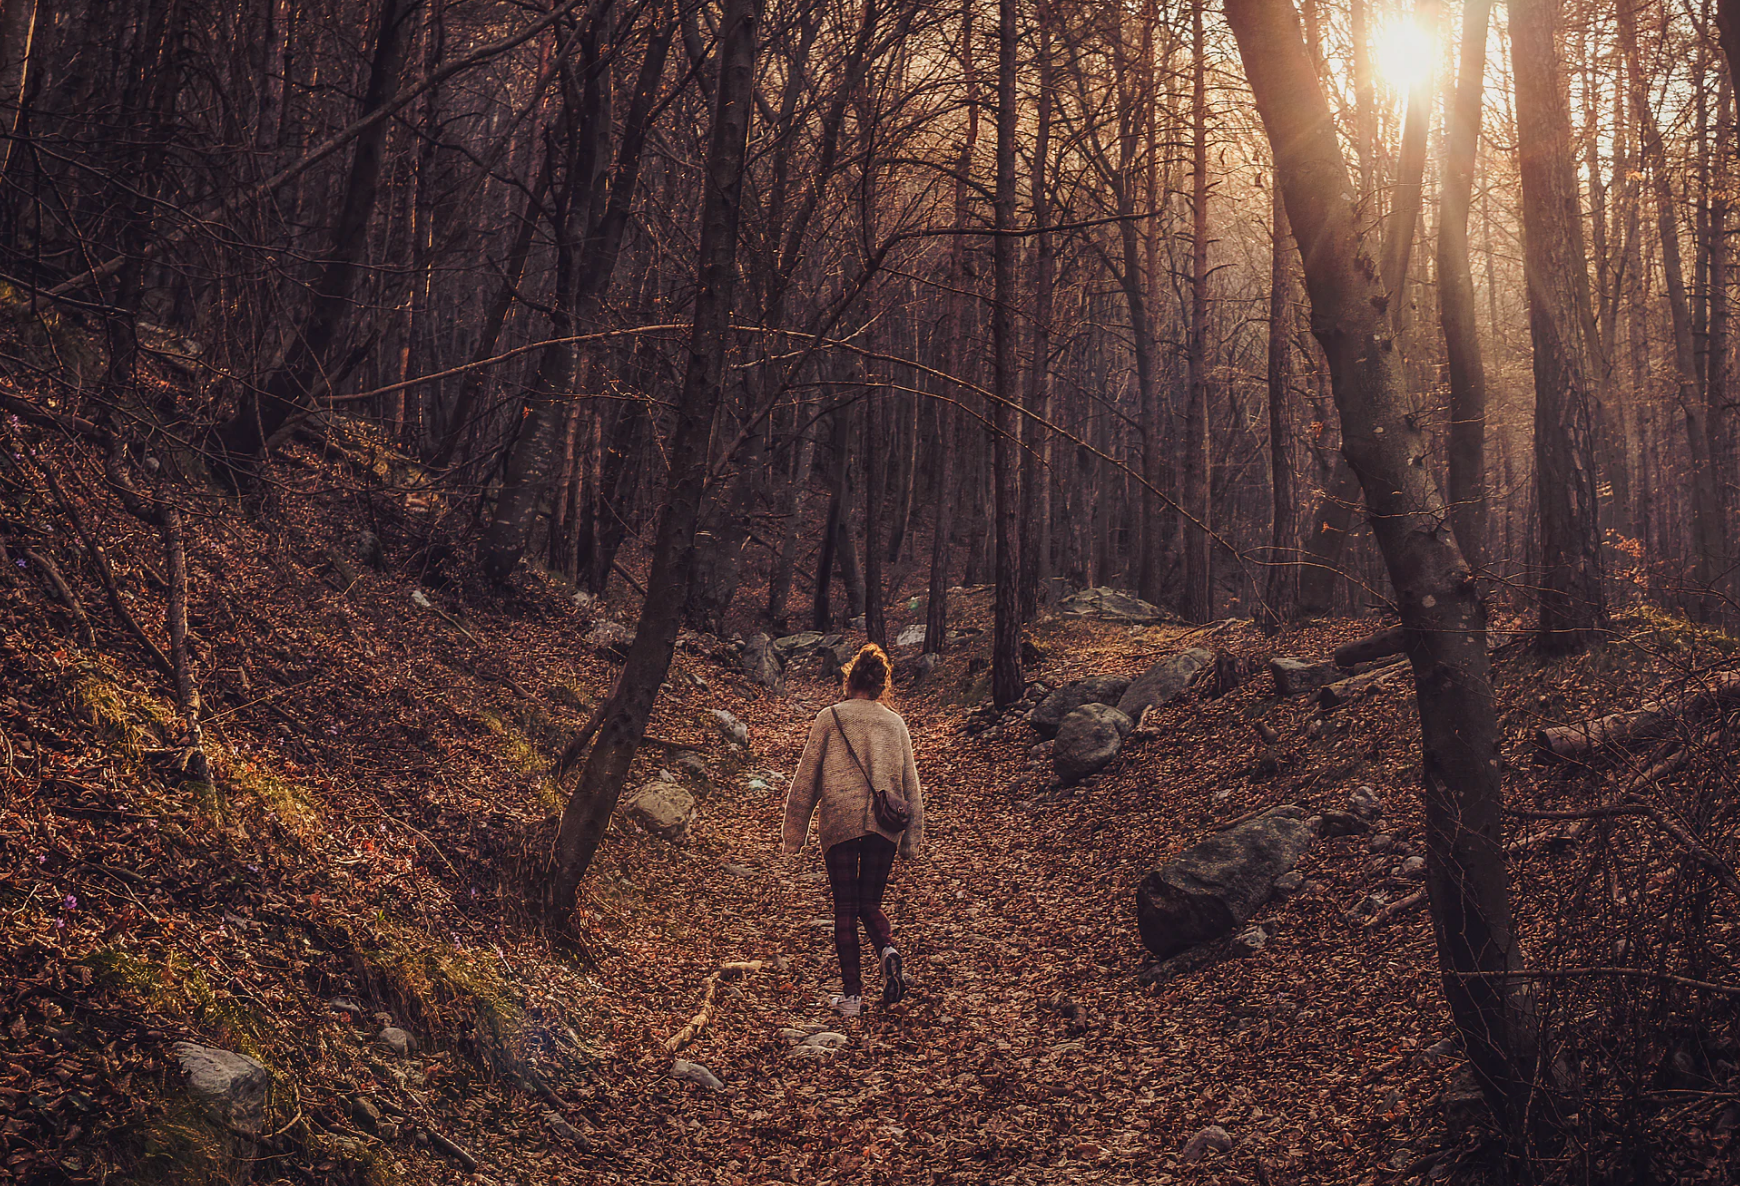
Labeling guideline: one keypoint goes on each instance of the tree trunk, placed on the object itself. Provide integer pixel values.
(1573, 604)
(1467, 448)
(1036, 476)
(1006, 677)
(1281, 589)
(649, 657)
(1466, 875)
(1197, 604)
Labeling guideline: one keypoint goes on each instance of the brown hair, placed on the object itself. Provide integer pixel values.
(868, 672)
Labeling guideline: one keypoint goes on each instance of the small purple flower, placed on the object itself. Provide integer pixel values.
(42, 858)
(60, 924)
(70, 902)
(21, 564)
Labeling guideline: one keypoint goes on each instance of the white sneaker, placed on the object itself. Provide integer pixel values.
(846, 1006)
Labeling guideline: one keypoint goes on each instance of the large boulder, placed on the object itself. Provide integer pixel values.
(662, 808)
(231, 1088)
(1112, 605)
(1164, 682)
(1048, 714)
(760, 663)
(1212, 887)
(1087, 741)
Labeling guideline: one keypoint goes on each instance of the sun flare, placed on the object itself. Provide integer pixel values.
(1403, 54)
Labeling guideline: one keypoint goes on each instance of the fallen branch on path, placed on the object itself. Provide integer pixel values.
(1399, 906)
(1608, 736)
(699, 1021)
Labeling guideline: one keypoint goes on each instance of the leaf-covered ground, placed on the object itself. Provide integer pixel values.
(381, 803)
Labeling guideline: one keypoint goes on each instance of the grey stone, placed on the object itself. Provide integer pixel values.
(230, 1087)
(1290, 883)
(1414, 868)
(1213, 1137)
(1088, 740)
(1295, 677)
(916, 669)
(1048, 714)
(397, 1040)
(563, 1129)
(610, 640)
(910, 637)
(1164, 682)
(740, 870)
(1251, 940)
(1210, 888)
(365, 1112)
(341, 1005)
(761, 664)
(732, 729)
(1437, 1054)
(1365, 803)
(796, 646)
(827, 1039)
(700, 1076)
(691, 765)
(1112, 605)
(792, 1036)
(1342, 823)
(662, 808)
(1382, 842)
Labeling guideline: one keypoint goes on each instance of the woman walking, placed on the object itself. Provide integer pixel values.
(858, 767)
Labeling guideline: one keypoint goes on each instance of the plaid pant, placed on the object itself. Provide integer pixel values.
(858, 873)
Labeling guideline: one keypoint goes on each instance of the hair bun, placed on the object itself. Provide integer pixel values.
(868, 672)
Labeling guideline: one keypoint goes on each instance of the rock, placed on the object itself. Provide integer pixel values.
(691, 765)
(1464, 1105)
(421, 600)
(827, 1040)
(761, 664)
(1295, 677)
(1213, 1137)
(340, 1005)
(732, 729)
(229, 1087)
(610, 640)
(1290, 883)
(365, 1112)
(662, 808)
(792, 1036)
(582, 600)
(1380, 843)
(1164, 682)
(1365, 803)
(916, 669)
(1414, 868)
(796, 646)
(1251, 940)
(369, 550)
(1048, 714)
(910, 637)
(700, 1076)
(563, 1129)
(1437, 1054)
(1342, 823)
(1088, 740)
(740, 870)
(397, 1040)
(835, 655)
(1210, 888)
(1112, 605)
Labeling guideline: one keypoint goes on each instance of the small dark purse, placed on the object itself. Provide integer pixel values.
(892, 813)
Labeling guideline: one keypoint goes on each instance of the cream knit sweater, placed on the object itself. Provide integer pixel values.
(827, 776)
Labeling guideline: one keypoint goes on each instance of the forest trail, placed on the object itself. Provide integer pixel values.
(1026, 1049)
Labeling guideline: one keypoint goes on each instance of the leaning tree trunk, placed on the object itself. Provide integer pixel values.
(649, 657)
(1573, 606)
(1466, 877)
(1467, 451)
